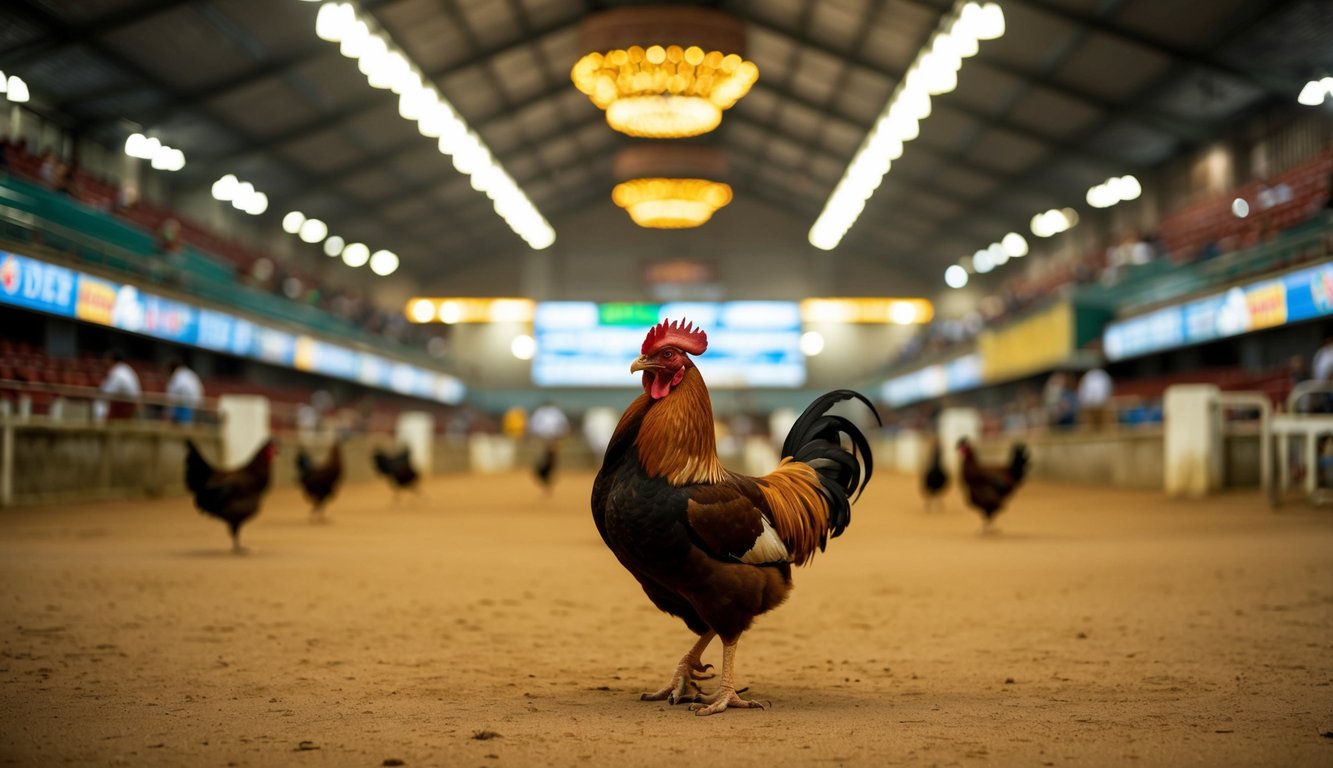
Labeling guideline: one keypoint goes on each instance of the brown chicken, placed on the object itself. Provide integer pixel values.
(710, 546)
(231, 496)
(320, 482)
(988, 488)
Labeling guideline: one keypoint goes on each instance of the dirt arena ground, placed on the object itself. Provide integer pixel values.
(1098, 628)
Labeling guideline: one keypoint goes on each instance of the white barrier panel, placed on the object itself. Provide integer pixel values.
(488, 454)
(245, 427)
(909, 452)
(954, 425)
(416, 430)
(1193, 443)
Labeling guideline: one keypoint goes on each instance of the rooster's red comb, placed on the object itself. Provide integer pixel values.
(678, 333)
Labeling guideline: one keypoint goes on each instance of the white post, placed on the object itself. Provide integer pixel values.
(6, 464)
(245, 427)
(1193, 443)
(955, 424)
(416, 430)
(909, 451)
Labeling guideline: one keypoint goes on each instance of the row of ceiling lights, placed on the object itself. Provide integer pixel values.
(935, 72)
(387, 67)
(159, 155)
(14, 88)
(241, 194)
(309, 230)
(1114, 190)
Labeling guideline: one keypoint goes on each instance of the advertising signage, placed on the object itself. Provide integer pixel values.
(33, 284)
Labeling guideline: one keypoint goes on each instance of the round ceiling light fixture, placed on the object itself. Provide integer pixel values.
(663, 72)
(670, 186)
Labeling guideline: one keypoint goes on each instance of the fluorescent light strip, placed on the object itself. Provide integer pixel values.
(934, 72)
(386, 66)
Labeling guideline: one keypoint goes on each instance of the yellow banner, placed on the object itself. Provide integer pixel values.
(1033, 344)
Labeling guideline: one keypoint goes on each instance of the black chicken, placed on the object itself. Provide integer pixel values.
(988, 488)
(231, 496)
(320, 482)
(935, 480)
(398, 469)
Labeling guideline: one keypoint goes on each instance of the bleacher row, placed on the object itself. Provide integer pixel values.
(210, 266)
(1187, 231)
(27, 372)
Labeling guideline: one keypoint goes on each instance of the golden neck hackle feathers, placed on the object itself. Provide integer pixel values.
(676, 439)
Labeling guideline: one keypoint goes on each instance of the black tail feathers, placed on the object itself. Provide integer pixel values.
(1018, 463)
(816, 439)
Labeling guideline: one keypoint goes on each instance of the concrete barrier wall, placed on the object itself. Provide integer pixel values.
(62, 462)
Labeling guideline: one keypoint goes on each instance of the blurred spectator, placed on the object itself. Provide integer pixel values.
(549, 425)
(1094, 398)
(67, 180)
(185, 390)
(122, 382)
(49, 169)
(515, 422)
(1060, 401)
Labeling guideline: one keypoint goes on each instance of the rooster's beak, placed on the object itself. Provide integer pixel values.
(642, 364)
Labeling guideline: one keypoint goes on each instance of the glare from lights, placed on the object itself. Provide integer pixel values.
(955, 276)
(333, 21)
(1114, 190)
(1240, 208)
(334, 246)
(16, 90)
(224, 189)
(935, 71)
(981, 262)
(422, 311)
(1053, 222)
(313, 231)
(356, 255)
(291, 223)
(383, 263)
(998, 255)
(1015, 245)
(386, 66)
(812, 343)
(450, 312)
(903, 313)
(255, 204)
(1314, 92)
(524, 347)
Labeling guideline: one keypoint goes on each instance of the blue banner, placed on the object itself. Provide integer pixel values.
(1296, 296)
(31, 284)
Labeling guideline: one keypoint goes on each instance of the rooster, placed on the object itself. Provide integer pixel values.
(989, 487)
(231, 496)
(935, 480)
(710, 546)
(397, 469)
(320, 482)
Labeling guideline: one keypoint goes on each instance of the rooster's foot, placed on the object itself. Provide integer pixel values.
(722, 700)
(682, 687)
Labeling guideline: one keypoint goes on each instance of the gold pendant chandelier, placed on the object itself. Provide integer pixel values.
(687, 197)
(664, 72)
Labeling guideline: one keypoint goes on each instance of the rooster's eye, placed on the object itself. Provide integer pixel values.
(667, 355)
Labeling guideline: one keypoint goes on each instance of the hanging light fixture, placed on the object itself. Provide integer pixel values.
(664, 72)
(670, 186)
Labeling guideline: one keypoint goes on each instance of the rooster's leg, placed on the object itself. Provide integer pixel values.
(726, 696)
(236, 548)
(687, 671)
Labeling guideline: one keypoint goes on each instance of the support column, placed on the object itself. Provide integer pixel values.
(245, 427)
(1193, 441)
(955, 424)
(416, 430)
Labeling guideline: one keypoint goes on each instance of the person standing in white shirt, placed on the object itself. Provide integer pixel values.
(1094, 398)
(122, 383)
(185, 390)
(548, 424)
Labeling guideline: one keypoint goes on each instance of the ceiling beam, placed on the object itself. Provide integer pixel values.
(1277, 85)
(64, 35)
(1149, 116)
(371, 101)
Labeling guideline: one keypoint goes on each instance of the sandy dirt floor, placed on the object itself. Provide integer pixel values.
(489, 626)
